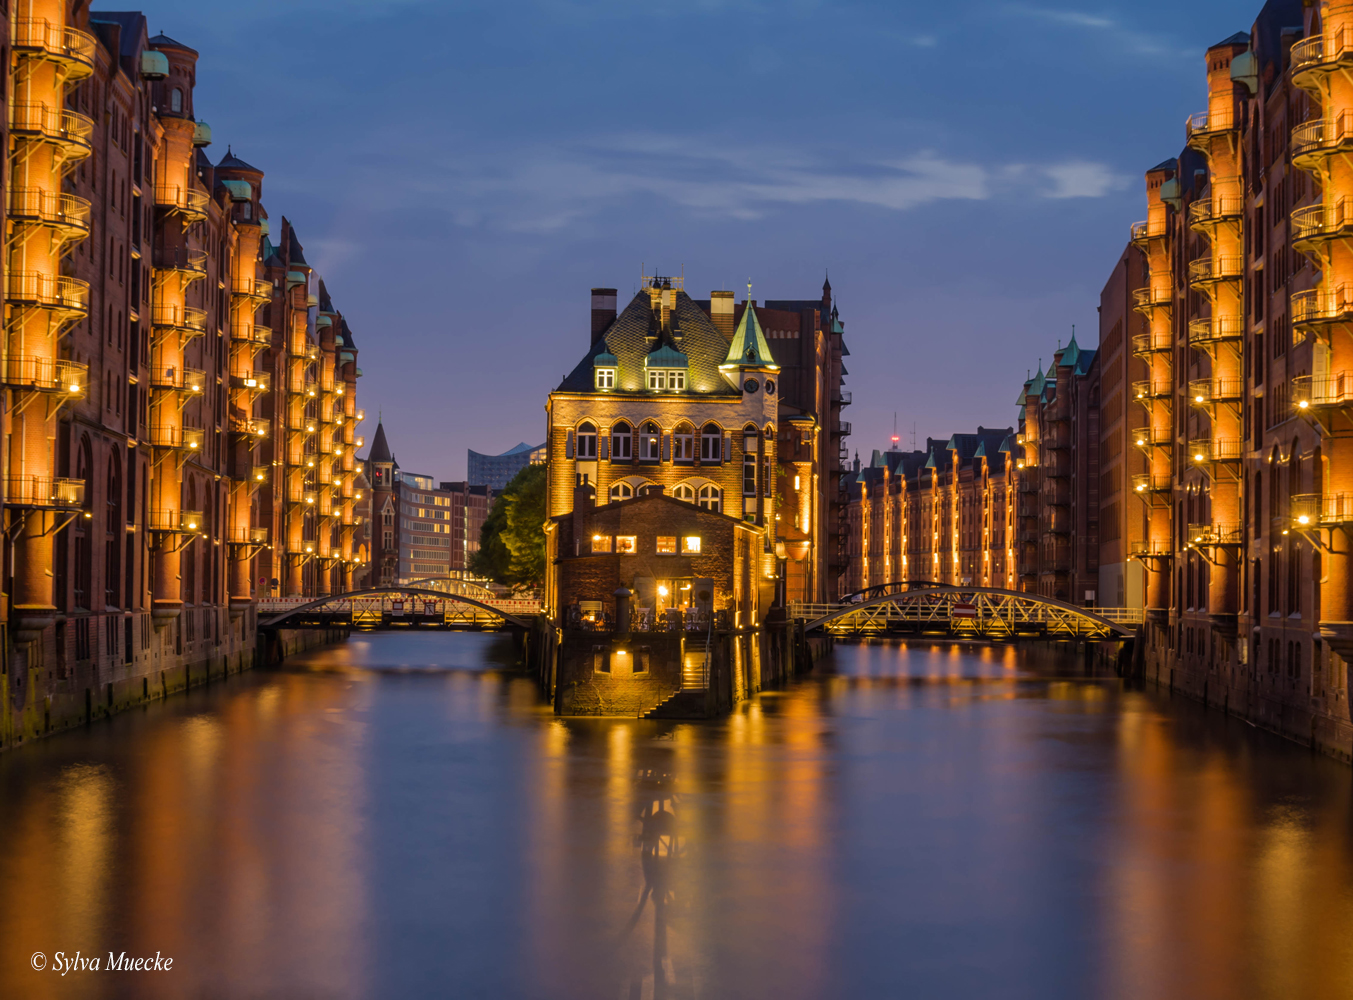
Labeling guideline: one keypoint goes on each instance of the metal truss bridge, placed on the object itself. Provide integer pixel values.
(922, 608)
(399, 607)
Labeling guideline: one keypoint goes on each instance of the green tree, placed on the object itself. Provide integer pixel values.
(512, 542)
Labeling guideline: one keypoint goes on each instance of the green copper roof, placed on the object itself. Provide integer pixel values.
(605, 359)
(1071, 353)
(749, 347)
(666, 356)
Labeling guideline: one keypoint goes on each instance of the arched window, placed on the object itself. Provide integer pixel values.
(711, 498)
(622, 491)
(112, 531)
(650, 442)
(587, 441)
(711, 441)
(750, 441)
(84, 556)
(683, 443)
(176, 100)
(684, 491)
(622, 439)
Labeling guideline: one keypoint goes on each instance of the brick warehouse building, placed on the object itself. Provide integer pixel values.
(1244, 417)
(681, 401)
(180, 393)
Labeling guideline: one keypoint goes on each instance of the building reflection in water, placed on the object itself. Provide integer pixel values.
(910, 821)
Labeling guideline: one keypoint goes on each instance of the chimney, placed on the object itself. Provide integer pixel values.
(603, 311)
(721, 312)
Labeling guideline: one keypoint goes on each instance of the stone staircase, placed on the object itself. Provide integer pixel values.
(689, 702)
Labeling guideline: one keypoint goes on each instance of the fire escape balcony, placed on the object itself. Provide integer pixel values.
(1144, 344)
(258, 474)
(246, 535)
(1216, 268)
(1200, 128)
(842, 398)
(255, 290)
(253, 334)
(186, 380)
(304, 496)
(1148, 483)
(189, 439)
(298, 420)
(1148, 390)
(44, 492)
(1214, 534)
(68, 131)
(178, 522)
(1150, 548)
(1315, 225)
(1142, 233)
(191, 265)
(1211, 331)
(188, 202)
(1203, 451)
(71, 49)
(1206, 213)
(1318, 509)
(1314, 141)
(841, 429)
(1315, 309)
(185, 319)
(1151, 297)
(251, 427)
(47, 375)
(1146, 437)
(1203, 391)
(1317, 57)
(69, 296)
(68, 214)
(252, 381)
(1330, 391)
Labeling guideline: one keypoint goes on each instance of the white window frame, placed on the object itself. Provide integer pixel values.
(711, 498)
(622, 443)
(650, 444)
(711, 445)
(683, 446)
(587, 454)
(605, 378)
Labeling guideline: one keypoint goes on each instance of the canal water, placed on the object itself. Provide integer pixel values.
(401, 817)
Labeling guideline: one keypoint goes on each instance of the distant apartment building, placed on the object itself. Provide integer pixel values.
(496, 471)
(1057, 476)
(424, 531)
(944, 514)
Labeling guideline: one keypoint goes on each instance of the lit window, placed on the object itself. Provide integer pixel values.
(625, 544)
(587, 441)
(670, 378)
(690, 545)
(667, 545)
(601, 543)
(605, 378)
(650, 442)
(711, 443)
(683, 443)
(796, 482)
(684, 491)
(622, 491)
(621, 441)
(657, 379)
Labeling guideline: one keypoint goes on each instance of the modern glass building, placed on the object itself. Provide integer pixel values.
(496, 471)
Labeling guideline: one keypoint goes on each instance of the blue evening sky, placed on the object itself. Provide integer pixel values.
(462, 172)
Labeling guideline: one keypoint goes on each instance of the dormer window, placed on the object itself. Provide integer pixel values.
(666, 379)
(605, 378)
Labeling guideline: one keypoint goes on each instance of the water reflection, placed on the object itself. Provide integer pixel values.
(402, 817)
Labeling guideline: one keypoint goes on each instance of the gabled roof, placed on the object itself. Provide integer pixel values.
(1169, 164)
(1239, 38)
(295, 255)
(232, 162)
(1084, 360)
(749, 345)
(380, 448)
(635, 333)
(163, 41)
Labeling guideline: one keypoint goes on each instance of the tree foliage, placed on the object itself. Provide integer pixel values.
(512, 542)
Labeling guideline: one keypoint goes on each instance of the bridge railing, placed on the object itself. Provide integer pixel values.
(278, 605)
(812, 612)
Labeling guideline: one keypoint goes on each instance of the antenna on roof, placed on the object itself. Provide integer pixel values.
(913, 435)
(894, 428)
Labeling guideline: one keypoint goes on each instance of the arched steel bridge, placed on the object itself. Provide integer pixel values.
(397, 607)
(977, 612)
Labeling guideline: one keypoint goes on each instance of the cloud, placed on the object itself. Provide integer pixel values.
(1079, 179)
(1135, 41)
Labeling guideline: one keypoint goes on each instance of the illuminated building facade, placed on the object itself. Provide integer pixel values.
(944, 514)
(1244, 418)
(154, 343)
(1057, 473)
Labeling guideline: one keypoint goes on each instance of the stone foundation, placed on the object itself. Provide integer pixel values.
(90, 667)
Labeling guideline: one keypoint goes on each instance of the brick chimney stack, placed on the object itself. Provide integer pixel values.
(721, 312)
(603, 311)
